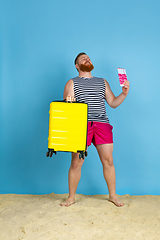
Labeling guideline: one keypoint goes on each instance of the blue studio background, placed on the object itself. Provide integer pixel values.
(38, 43)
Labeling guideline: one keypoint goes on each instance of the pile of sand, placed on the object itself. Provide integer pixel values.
(41, 217)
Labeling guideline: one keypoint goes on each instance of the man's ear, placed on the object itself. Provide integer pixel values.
(77, 67)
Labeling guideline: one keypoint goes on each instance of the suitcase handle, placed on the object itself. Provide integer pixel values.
(69, 101)
(64, 100)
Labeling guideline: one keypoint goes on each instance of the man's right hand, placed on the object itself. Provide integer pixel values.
(69, 98)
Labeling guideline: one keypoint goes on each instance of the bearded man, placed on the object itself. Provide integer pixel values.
(94, 91)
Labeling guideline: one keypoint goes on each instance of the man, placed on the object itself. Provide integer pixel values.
(94, 91)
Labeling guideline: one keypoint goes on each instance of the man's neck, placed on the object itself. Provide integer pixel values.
(85, 74)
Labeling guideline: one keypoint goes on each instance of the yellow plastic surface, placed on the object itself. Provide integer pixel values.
(67, 126)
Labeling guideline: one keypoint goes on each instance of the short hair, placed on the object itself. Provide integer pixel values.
(82, 53)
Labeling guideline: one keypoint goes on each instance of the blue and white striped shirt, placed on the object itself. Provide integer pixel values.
(92, 92)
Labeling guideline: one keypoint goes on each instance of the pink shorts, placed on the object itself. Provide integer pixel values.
(99, 133)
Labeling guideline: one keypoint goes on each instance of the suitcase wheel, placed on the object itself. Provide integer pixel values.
(86, 154)
(50, 154)
(81, 155)
(47, 154)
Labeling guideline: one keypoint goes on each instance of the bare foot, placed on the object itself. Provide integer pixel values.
(116, 201)
(68, 202)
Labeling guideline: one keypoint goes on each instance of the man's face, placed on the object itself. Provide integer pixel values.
(84, 63)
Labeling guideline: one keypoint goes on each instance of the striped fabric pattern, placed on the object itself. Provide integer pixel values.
(92, 92)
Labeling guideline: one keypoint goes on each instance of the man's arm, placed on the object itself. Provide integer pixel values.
(110, 97)
(69, 91)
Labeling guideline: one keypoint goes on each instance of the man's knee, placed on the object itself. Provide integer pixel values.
(107, 161)
(76, 162)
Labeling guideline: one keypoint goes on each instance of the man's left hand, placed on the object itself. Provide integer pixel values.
(125, 88)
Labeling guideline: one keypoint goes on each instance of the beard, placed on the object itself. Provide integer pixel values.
(86, 67)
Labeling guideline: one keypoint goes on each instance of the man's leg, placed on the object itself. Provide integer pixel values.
(73, 178)
(105, 154)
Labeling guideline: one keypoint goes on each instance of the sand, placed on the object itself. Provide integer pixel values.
(41, 217)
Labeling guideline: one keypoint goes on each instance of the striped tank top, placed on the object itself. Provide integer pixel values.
(92, 92)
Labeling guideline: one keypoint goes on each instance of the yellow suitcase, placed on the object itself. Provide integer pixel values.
(67, 128)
